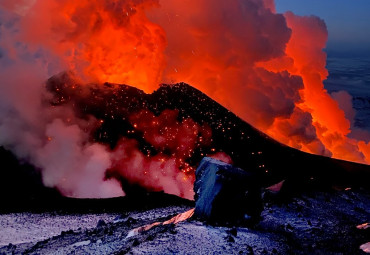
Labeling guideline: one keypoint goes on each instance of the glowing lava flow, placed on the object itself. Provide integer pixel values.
(175, 220)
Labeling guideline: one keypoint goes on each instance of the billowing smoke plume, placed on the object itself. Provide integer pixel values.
(266, 67)
(42, 135)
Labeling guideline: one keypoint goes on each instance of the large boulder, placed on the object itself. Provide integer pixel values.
(226, 194)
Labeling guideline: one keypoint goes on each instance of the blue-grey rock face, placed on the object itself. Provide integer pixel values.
(225, 194)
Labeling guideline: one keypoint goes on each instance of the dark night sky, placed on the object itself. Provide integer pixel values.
(348, 21)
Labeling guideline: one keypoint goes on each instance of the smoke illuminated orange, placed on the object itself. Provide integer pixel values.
(266, 67)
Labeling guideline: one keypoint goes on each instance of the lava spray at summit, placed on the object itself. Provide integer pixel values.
(267, 68)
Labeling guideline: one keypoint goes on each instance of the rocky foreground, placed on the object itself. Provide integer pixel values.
(314, 222)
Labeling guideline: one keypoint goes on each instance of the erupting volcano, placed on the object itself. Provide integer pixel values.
(91, 137)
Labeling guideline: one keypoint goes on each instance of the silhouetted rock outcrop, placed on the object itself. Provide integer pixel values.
(226, 194)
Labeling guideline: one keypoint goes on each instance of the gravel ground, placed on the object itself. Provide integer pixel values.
(19, 228)
(311, 223)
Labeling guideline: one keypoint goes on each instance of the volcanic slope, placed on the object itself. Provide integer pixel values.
(248, 148)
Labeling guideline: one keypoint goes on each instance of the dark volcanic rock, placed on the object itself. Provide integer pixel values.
(225, 194)
(101, 224)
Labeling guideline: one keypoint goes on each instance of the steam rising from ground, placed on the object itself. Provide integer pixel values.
(266, 67)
